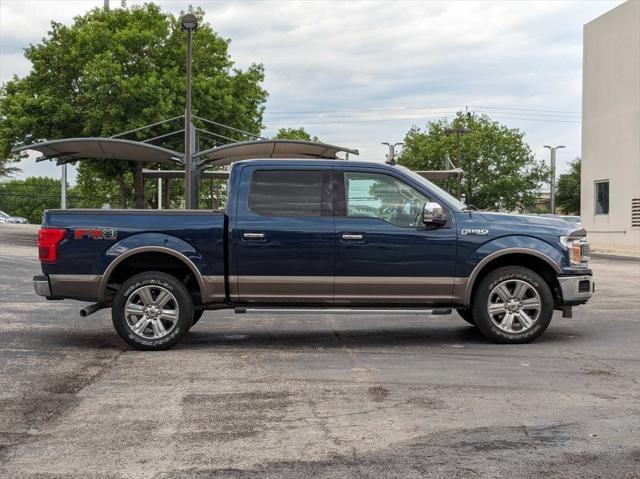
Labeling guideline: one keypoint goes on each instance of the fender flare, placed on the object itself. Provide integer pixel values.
(496, 254)
(149, 249)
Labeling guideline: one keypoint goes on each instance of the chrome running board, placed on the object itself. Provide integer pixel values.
(297, 310)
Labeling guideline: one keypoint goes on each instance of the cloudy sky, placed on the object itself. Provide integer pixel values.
(359, 73)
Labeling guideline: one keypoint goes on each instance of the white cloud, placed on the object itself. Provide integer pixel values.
(376, 55)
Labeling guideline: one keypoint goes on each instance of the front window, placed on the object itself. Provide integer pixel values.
(602, 197)
(382, 196)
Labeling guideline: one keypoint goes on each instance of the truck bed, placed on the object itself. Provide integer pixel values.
(198, 234)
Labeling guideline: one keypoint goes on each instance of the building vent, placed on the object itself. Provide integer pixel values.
(635, 212)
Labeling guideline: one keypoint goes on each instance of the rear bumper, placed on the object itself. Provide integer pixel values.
(41, 285)
(576, 289)
(83, 287)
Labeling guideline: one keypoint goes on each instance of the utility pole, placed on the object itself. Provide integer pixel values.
(391, 156)
(63, 187)
(553, 149)
(458, 132)
(191, 176)
(106, 4)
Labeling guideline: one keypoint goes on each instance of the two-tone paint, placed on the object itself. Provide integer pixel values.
(240, 257)
(85, 264)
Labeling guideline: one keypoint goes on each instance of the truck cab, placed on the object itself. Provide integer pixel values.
(307, 235)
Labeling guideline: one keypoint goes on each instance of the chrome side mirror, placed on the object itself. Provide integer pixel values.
(433, 214)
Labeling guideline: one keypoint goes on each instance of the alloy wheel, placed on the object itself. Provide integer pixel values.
(514, 306)
(151, 312)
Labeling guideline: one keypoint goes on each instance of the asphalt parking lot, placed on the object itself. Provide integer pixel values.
(316, 396)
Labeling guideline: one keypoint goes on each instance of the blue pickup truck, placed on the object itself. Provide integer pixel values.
(310, 235)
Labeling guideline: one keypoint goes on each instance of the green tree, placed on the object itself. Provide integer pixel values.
(500, 171)
(6, 168)
(30, 197)
(118, 69)
(568, 189)
(294, 134)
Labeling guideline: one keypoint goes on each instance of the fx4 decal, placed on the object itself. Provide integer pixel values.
(95, 233)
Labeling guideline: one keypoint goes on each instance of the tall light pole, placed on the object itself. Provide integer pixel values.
(189, 24)
(553, 149)
(391, 156)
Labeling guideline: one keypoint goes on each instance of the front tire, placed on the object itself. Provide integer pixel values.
(512, 305)
(152, 311)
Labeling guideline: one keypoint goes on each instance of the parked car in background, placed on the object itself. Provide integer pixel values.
(575, 220)
(572, 219)
(5, 218)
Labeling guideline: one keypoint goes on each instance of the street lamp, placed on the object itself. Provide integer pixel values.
(391, 156)
(189, 23)
(553, 149)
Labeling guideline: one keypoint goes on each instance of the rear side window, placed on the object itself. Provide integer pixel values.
(286, 193)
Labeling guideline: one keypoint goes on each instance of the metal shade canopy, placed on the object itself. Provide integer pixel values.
(73, 149)
(227, 154)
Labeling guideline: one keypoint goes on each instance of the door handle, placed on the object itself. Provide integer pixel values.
(352, 237)
(253, 236)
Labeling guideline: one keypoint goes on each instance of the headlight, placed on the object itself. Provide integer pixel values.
(578, 249)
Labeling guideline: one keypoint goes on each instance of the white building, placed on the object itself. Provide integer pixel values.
(610, 190)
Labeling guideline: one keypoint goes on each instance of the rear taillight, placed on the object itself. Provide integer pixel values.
(48, 239)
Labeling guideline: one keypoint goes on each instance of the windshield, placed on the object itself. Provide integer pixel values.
(450, 199)
(3, 215)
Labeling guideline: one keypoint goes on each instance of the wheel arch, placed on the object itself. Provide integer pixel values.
(129, 254)
(525, 257)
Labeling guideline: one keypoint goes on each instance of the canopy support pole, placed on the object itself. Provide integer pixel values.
(63, 187)
(193, 193)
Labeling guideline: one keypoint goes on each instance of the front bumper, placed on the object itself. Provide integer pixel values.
(41, 285)
(576, 289)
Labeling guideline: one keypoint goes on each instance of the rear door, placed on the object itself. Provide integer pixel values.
(284, 235)
(384, 253)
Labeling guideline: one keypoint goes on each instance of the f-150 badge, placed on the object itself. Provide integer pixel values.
(474, 231)
(95, 233)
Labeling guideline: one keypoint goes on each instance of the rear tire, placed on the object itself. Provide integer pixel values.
(467, 315)
(152, 311)
(512, 305)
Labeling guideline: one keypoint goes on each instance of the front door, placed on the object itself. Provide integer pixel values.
(283, 236)
(384, 253)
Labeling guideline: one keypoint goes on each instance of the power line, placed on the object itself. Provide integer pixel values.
(528, 109)
(457, 107)
(404, 118)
